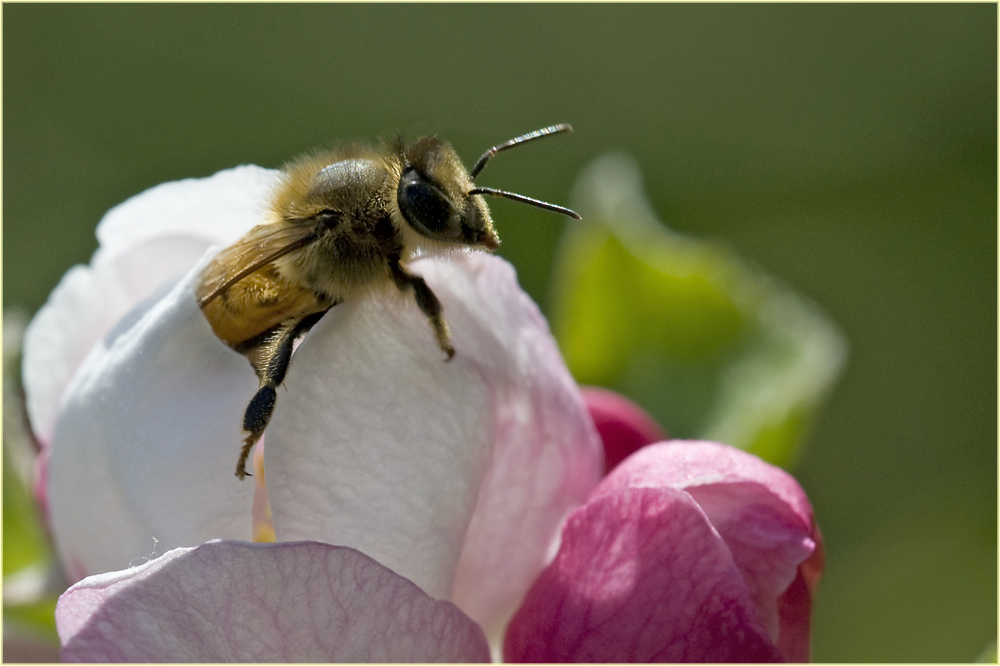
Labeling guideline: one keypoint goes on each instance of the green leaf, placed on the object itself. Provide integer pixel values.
(709, 344)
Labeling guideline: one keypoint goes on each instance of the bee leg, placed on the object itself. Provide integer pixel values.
(255, 420)
(428, 304)
(272, 374)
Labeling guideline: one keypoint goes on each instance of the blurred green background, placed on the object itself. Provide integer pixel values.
(850, 150)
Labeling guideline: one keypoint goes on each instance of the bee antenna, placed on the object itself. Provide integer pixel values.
(530, 136)
(528, 200)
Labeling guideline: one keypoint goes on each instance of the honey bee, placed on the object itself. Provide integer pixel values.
(341, 224)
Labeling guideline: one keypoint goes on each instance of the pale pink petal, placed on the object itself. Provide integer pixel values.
(238, 602)
(379, 444)
(143, 453)
(624, 426)
(640, 576)
(162, 232)
(547, 455)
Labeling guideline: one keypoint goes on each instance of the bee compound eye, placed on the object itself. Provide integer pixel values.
(425, 207)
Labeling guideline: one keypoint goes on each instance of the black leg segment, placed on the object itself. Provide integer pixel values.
(272, 372)
(428, 304)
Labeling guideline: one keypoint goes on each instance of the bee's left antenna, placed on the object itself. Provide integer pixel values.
(528, 200)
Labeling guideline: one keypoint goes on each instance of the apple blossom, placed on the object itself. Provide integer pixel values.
(424, 500)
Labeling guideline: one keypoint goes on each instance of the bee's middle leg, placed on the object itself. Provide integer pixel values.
(272, 373)
(428, 304)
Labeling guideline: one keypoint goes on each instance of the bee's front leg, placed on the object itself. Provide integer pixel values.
(275, 358)
(428, 304)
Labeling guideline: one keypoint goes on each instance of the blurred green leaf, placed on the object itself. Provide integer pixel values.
(31, 580)
(709, 344)
(38, 617)
(989, 655)
(24, 542)
(30, 641)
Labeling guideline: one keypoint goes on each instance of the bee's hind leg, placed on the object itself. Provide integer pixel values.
(277, 355)
(255, 420)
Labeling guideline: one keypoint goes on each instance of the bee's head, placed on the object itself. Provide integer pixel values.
(438, 199)
(434, 196)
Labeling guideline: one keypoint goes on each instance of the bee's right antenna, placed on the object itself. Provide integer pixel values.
(530, 136)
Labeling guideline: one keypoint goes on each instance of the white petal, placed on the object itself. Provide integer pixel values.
(214, 210)
(80, 311)
(378, 443)
(145, 242)
(146, 443)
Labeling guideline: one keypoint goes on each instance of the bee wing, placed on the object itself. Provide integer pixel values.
(262, 245)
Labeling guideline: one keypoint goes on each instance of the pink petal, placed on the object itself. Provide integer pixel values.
(294, 602)
(640, 576)
(623, 425)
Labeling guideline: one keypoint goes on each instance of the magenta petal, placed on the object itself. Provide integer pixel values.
(229, 601)
(795, 606)
(640, 576)
(760, 512)
(690, 464)
(623, 425)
